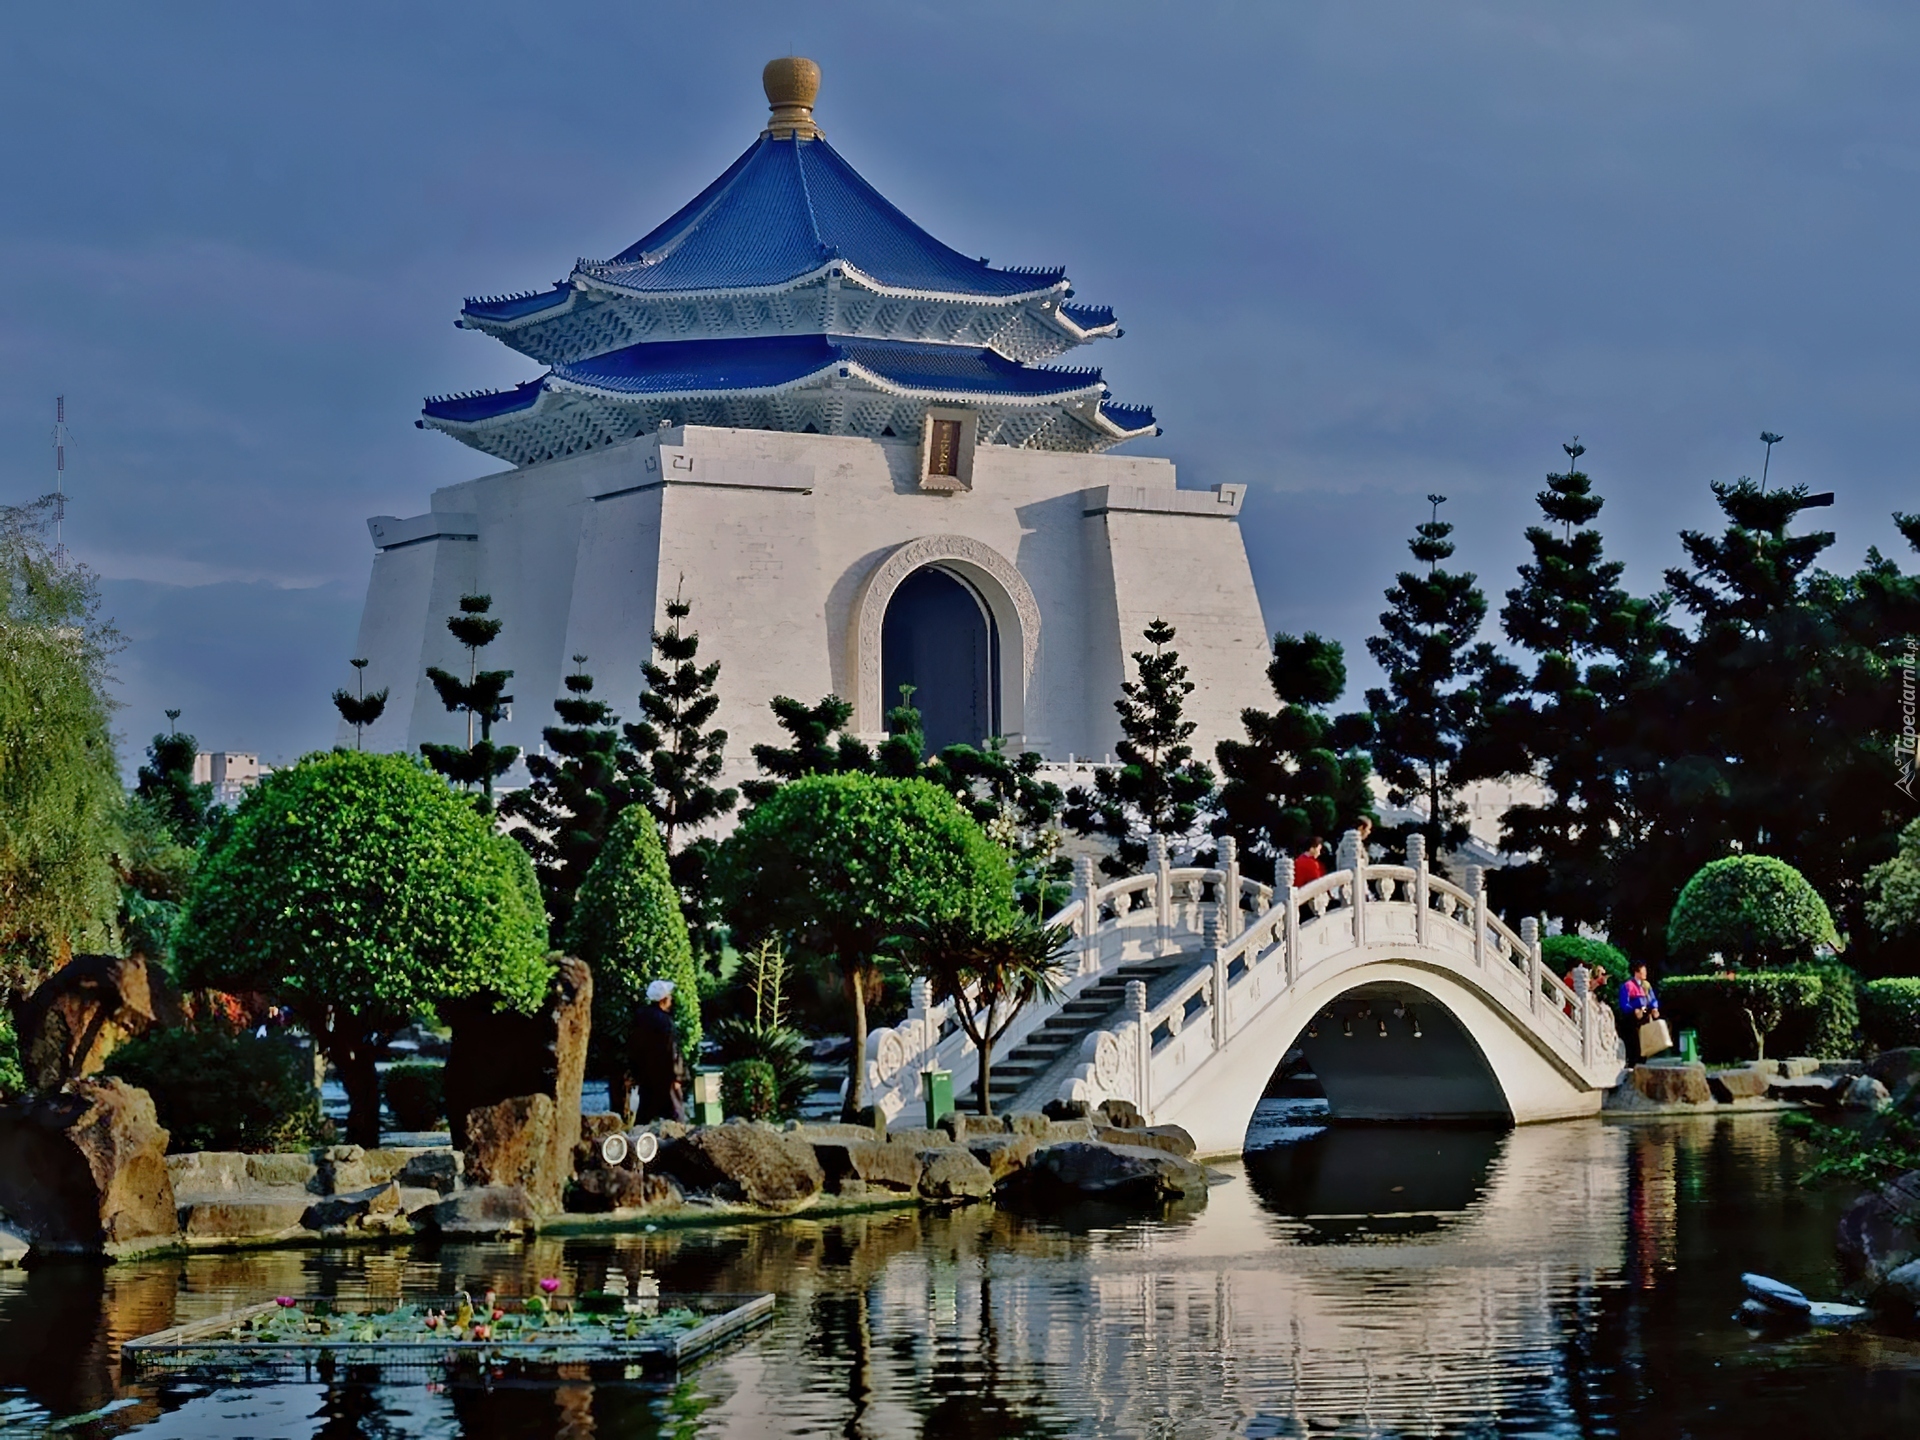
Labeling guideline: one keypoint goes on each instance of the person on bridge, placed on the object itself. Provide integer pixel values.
(1638, 1007)
(1307, 865)
(655, 1046)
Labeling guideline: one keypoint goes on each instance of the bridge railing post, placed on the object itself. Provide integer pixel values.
(1088, 927)
(1210, 931)
(1353, 860)
(1162, 869)
(1417, 858)
(1477, 887)
(1583, 1012)
(1530, 942)
(1228, 900)
(1290, 935)
(1142, 1044)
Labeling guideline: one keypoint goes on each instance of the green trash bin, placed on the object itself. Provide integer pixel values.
(707, 1109)
(937, 1086)
(1690, 1046)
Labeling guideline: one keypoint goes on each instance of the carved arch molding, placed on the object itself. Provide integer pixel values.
(1015, 612)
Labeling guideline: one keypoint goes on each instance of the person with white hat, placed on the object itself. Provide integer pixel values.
(655, 1046)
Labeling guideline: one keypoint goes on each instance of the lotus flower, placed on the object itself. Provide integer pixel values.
(433, 1322)
(285, 1302)
(483, 1332)
(498, 1313)
(550, 1284)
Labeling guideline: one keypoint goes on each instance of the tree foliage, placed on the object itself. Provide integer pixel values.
(481, 697)
(1300, 772)
(1893, 891)
(167, 788)
(1158, 788)
(818, 744)
(360, 891)
(627, 925)
(835, 865)
(1751, 910)
(60, 797)
(357, 707)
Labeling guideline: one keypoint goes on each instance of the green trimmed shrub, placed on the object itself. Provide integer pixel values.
(12, 1080)
(1893, 889)
(416, 1095)
(750, 1088)
(218, 1089)
(1728, 1010)
(1560, 953)
(1830, 1030)
(1749, 910)
(1890, 1013)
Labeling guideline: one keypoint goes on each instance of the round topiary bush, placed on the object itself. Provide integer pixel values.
(219, 1089)
(1562, 952)
(750, 1088)
(1749, 910)
(1890, 1012)
(416, 1095)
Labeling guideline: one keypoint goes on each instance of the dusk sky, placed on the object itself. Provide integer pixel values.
(1362, 251)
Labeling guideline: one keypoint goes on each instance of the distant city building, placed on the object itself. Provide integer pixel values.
(231, 773)
(838, 439)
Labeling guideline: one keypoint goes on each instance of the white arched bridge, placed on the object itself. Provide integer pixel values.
(1188, 986)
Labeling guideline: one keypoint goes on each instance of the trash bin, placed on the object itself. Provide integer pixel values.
(707, 1109)
(1690, 1046)
(937, 1086)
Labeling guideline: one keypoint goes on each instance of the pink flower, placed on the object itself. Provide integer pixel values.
(285, 1302)
(550, 1284)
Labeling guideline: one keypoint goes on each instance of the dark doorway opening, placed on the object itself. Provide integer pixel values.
(939, 637)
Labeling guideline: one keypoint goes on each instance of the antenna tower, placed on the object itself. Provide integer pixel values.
(61, 435)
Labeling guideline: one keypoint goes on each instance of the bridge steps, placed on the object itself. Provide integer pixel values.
(1059, 1038)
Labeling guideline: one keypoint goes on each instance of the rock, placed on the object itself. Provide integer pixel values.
(484, 1212)
(1775, 1295)
(1068, 1130)
(1832, 1312)
(1899, 1293)
(890, 1166)
(1137, 1176)
(433, 1170)
(1806, 1089)
(871, 1117)
(954, 1125)
(86, 1010)
(1862, 1093)
(1002, 1154)
(341, 1170)
(502, 1055)
(1798, 1067)
(596, 1126)
(1837, 1068)
(366, 1210)
(257, 1215)
(1028, 1122)
(1067, 1110)
(1881, 1232)
(1170, 1138)
(1748, 1083)
(83, 1169)
(1896, 1069)
(1673, 1084)
(511, 1143)
(207, 1172)
(766, 1168)
(916, 1137)
(950, 1175)
(1122, 1114)
(285, 1169)
(615, 1187)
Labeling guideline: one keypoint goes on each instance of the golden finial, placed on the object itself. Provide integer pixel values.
(791, 84)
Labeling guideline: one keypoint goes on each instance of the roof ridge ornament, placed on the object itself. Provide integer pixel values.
(792, 83)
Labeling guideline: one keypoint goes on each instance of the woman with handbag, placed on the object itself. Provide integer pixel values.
(1639, 1009)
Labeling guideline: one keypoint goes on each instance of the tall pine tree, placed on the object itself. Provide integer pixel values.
(358, 708)
(1438, 681)
(1300, 772)
(578, 790)
(166, 785)
(819, 744)
(1158, 788)
(483, 698)
(1593, 646)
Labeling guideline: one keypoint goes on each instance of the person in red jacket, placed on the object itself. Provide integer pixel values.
(1307, 865)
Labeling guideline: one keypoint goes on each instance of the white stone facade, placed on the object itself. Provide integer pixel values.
(788, 546)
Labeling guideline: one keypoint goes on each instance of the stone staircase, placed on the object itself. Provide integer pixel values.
(1059, 1038)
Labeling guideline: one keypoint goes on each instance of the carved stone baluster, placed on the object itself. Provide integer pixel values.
(1290, 939)
(1417, 858)
(1477, 888)
(1142, 1042)
(1530, 942)
(1162, 886)
(1228, 906)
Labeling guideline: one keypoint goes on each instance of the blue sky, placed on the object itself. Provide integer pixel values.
(1362, 251)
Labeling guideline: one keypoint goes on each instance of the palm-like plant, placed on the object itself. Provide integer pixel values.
(988, 971)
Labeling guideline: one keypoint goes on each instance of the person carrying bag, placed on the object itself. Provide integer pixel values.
(1641, 1027)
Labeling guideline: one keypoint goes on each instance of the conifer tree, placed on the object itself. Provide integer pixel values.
(360, 709)
(1438, 681)
(1594, 647)
(1158, 788)
(482, 696)
(577, 792)
(820, 745)
(167, 785)
(1020, 811)
(1300, 772)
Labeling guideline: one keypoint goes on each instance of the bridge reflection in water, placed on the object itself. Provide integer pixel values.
(1381, 1281)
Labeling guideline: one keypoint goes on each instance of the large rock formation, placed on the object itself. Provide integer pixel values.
(1881, 1232)
(86, 1010)
(739, 1161)
(1140, 1176)
(502, 1063)
(83, 1169)
(1673, 1084)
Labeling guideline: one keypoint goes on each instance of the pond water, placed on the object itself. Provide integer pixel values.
(1563, 1280)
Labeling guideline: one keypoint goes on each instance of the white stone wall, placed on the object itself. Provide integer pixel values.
(774, 537)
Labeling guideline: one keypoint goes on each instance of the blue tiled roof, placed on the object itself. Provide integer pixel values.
(512, 307)
(1089, 317)
(785, 208)
(682, 367)
(1127, 417)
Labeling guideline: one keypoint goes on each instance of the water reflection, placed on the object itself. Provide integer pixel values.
(1558, 1280)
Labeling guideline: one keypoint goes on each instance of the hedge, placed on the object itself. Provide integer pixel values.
(416, 1095)
(1562, 952)
(1890, 1013)
(1817, 1011)
(216, 1089)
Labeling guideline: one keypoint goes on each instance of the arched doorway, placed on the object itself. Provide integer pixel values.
(939, 637)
